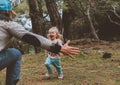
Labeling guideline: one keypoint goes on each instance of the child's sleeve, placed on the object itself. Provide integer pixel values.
(59, 42)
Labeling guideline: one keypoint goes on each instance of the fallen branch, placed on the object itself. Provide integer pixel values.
(115, 13)
(114, 22)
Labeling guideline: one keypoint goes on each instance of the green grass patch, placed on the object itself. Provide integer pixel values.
(82, 70)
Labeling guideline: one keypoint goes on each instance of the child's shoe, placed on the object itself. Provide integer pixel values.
(48, 74)
(60, 76)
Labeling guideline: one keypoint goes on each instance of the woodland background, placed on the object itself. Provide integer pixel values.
(91, 25)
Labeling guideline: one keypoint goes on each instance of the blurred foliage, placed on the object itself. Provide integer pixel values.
(99, 10)
(78, 5)
(22, 8)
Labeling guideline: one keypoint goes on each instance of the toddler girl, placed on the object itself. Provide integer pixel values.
(54, 59)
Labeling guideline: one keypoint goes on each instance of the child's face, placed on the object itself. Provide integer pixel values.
(52, 34)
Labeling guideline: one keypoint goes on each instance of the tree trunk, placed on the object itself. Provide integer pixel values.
(38, 23)
(93, 32)
(54, 14)
(66, 24)
(67, 18)
(42, 21)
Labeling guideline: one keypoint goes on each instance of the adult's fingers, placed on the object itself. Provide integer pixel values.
(76, 50)
(67, 43)
(71, 56)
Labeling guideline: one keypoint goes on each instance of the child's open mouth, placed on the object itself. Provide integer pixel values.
(51, 36)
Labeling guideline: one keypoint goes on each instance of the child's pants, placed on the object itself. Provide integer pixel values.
(11, 59)
(56, 62)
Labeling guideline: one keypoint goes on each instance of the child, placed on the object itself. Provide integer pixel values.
(54, 59)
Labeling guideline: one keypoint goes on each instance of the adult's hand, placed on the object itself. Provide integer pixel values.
(69, 50)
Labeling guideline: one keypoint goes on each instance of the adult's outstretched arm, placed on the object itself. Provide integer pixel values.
(16, 30)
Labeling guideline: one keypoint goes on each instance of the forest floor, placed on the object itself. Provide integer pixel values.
(87, 68)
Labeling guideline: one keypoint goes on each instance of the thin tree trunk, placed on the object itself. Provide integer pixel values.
(91, 23)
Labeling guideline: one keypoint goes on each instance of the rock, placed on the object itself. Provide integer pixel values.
(16, 2)
(86, 51)
(25, 21)
(107, 55)
(101, 51)
(28, 25)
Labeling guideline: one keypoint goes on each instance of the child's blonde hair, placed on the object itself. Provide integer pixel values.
(59, 36)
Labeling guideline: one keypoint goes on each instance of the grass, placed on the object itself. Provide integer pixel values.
(83, 70)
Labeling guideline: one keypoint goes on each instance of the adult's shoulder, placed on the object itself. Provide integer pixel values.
(12, 23)
(2, 23)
